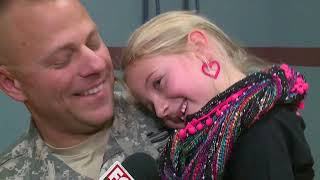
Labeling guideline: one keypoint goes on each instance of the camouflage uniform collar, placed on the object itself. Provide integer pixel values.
(30, 158)
(20, 148)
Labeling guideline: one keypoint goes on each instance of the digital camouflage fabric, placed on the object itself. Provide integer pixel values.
(132, 131)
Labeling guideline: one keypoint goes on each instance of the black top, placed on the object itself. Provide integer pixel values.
(274, 148)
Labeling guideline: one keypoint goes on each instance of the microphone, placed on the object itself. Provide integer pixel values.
(141, 166)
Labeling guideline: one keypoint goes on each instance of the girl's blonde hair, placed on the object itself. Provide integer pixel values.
(168, 34)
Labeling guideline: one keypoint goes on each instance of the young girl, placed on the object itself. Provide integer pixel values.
(234, 114)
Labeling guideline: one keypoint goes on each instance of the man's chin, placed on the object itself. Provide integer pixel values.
(99, 122)
(99, 119)
(96, 125)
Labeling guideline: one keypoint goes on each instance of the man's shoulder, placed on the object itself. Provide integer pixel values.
(135, 129)
(129, 112)
(29, 158)
(16, 158)
(134, 125)
(16, 150)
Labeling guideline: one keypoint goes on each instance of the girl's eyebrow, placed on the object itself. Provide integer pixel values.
(148, 77)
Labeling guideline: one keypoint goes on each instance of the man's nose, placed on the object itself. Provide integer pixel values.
(92, 64)
(161, 108)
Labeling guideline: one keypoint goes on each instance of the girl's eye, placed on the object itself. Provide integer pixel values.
(157, 84)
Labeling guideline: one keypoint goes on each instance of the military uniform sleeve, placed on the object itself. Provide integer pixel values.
(275, 148)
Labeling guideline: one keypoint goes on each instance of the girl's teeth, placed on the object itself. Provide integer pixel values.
(184, 107)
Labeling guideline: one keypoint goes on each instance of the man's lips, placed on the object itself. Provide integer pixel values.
(94, 90)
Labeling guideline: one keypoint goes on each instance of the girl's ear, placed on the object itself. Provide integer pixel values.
(11, 86)
(205, 46)
(198, 39)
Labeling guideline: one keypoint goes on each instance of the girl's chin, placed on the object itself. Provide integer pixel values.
(175, 125)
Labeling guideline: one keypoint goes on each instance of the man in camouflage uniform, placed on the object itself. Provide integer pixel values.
(53, 60)
(132, 131)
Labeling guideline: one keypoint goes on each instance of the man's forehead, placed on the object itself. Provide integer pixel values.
(34, 16)
(31, 26)
(45, 8)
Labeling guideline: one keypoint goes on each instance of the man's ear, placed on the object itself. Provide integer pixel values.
(11, 86)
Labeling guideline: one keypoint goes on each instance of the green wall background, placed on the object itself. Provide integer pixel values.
(259, 23)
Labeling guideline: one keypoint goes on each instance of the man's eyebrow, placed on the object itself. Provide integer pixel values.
(64, 47)
(95, 31)
(70, 45)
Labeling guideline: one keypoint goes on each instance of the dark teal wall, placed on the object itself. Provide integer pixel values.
(255, 23)
(288, 23)
(311, 113)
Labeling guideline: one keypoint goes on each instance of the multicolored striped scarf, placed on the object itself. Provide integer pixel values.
(202, 149)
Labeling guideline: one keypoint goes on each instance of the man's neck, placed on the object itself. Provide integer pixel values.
(64, 139)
